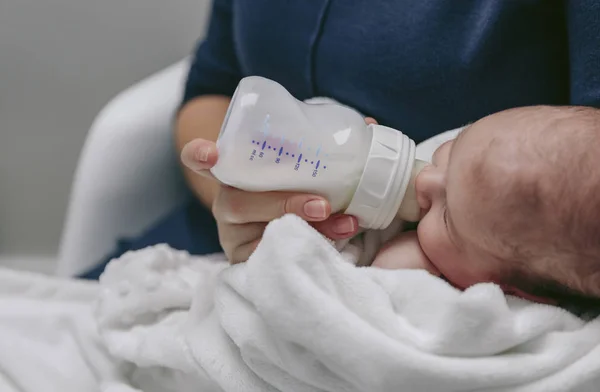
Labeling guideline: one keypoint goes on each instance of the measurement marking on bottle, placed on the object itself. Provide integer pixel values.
(262, 145)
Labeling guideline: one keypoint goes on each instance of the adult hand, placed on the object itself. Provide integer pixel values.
(242, 216)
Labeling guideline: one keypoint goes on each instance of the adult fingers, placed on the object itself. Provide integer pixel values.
(338, 227)
(200, 155)
(239, 241)
(243, 252)
(237, 206)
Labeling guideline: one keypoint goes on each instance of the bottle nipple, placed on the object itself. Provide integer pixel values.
(409, 209)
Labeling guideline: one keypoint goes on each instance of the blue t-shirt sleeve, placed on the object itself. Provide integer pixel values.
(214, 69)
(583, 21)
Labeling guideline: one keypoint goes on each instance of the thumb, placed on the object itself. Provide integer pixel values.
(200, 156)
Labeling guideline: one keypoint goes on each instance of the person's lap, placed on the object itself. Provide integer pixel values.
(189, 227)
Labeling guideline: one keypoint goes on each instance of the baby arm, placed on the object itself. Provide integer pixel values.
(404, 252)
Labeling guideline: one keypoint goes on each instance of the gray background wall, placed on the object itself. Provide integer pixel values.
(60, 62)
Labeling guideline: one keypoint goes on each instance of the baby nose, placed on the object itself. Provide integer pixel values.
(429, 185)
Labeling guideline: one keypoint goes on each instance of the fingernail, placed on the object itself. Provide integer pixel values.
(202, 154)
(316, 209)
(343, 225)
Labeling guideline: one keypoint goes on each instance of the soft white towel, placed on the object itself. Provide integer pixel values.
(48, 337)
(299, 316)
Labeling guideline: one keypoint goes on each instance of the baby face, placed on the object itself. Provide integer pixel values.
(502, 203)
(447, 194)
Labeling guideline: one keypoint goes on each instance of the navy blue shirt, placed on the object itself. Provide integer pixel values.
(419, 66)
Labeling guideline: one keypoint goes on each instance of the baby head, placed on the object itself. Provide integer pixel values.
(515, 200)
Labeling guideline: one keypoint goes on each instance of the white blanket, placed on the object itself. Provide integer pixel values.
(298, 317)
(301, 317)
(48, 336)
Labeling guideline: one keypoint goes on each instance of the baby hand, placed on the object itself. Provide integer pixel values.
(404, 252)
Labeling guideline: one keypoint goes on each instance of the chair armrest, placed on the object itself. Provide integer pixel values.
(128, 174)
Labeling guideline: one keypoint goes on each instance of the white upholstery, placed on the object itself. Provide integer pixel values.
(127, 176)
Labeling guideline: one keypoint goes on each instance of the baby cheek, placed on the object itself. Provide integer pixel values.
(429, 238)
(444, 255)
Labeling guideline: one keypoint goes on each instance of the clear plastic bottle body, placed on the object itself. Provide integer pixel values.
(270, 141)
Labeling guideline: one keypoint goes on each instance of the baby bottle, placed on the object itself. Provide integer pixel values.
(270, 141)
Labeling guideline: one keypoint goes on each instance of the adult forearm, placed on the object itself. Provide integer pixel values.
(201, 118)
